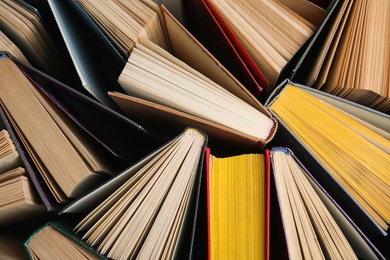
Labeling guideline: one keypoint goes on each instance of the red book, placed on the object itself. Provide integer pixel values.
(218, 38)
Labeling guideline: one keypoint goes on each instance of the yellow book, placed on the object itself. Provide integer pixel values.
(237, 208)
(354, 152)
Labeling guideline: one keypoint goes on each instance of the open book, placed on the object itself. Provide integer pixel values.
(55, 239)
(20, 201)
(314, 226)
(348, 143)
(154, 77)
(150, 209)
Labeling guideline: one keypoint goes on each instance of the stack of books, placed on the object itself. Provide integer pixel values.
(194, 129)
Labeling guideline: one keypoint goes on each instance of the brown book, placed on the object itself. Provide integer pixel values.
(69, 151)
(9, 156)
(47, 134)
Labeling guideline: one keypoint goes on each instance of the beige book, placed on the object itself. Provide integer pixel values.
(320, 69)
(216, 94)
(56, 240)
(9, 156)
(149, 76)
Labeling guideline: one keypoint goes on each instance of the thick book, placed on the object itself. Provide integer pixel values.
(308, 67)
(9, 155)
(36, 178)
(162, 187)
(346, 61)
(13, 236)
(34, 100)
(343, 145)
(238, 206)
(313, 223)
(166, 91)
